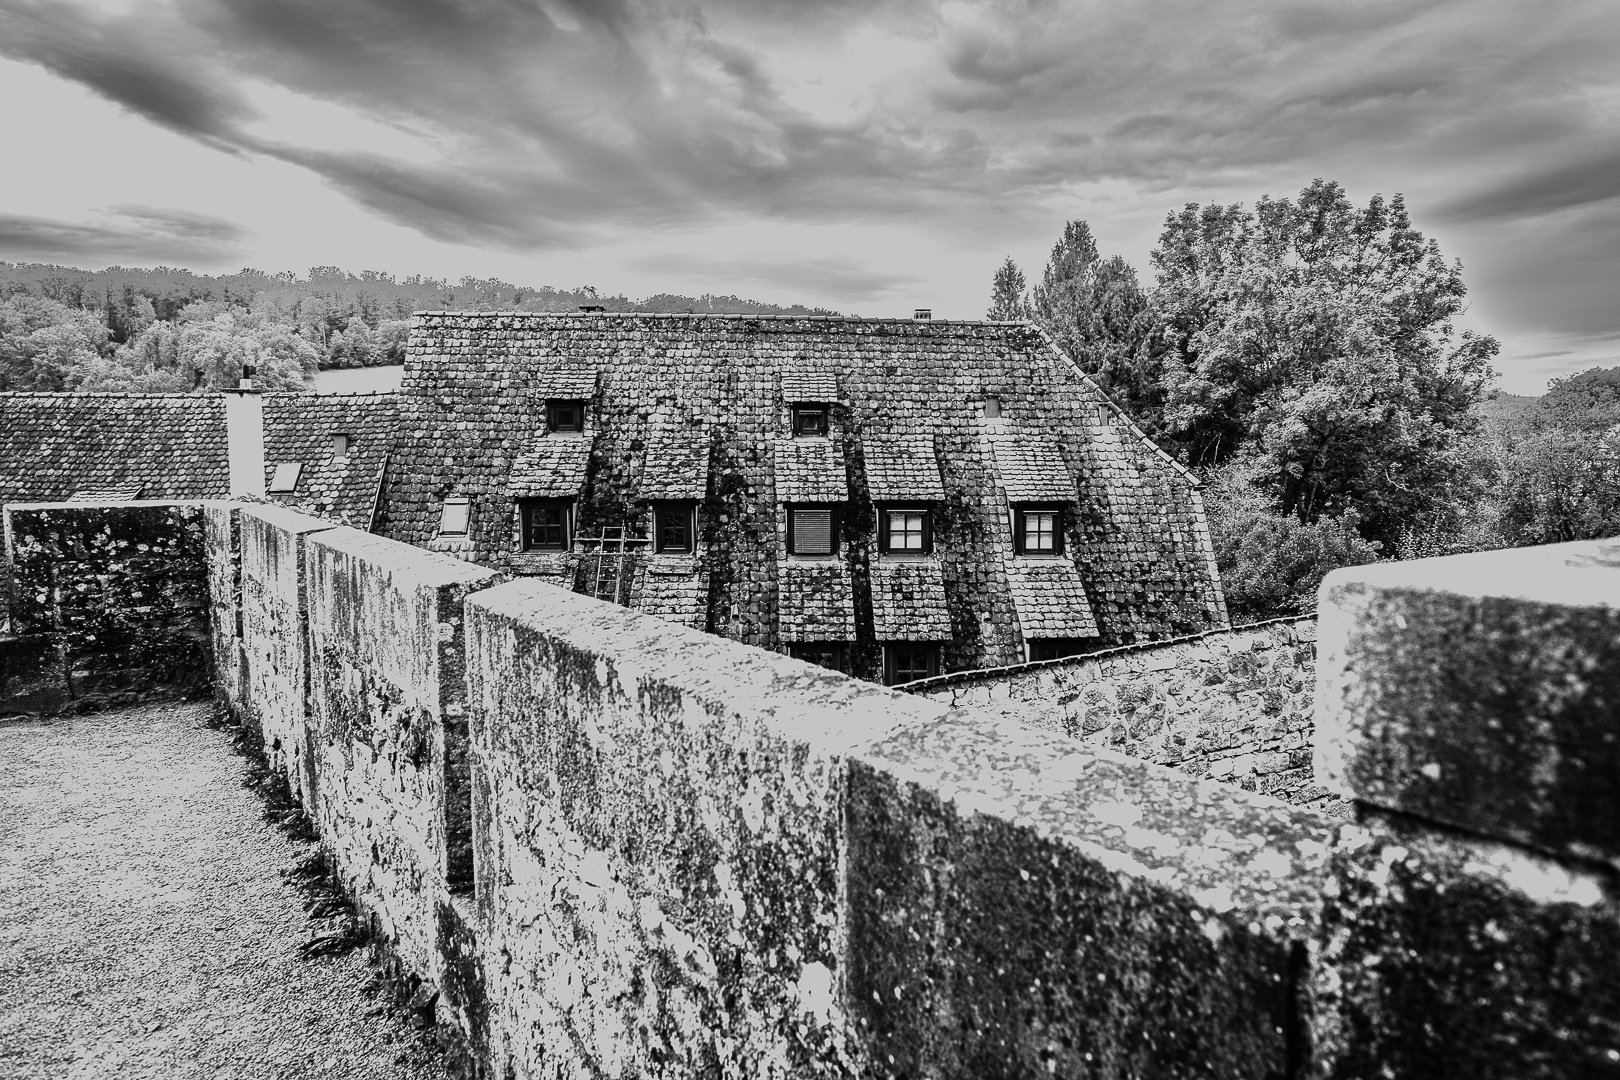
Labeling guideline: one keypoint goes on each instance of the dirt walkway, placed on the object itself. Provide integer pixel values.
(145, 926)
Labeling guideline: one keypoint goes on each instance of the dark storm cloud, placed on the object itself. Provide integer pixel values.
(559, 122)
(138, 232)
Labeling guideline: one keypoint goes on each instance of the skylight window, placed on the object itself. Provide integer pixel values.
(340, 447)
(453, 519)
(286, 477)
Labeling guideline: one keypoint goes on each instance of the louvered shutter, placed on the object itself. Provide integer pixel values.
(812, 532)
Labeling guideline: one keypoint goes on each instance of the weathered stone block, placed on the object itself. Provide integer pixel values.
(1480, 690)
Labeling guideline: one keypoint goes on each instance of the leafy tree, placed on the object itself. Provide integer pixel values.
(43, 342)
(1271, 564)
(1317, 337)
(1097, 313)
(1007, 300)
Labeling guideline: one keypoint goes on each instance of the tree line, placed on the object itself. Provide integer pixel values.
(1301, 358)
(170, 330)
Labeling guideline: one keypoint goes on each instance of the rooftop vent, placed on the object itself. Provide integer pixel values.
(592, 307)
(923, 313)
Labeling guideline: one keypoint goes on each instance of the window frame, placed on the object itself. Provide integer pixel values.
(278, 486)
(687, 510)
(891, 666)
(800, 409)
(886, 529)
(342, 445)
(526, 509)
(838, 651)
(1020, 514)
(1058, 648)
(463, 501)
(832, 530)
(554, 405)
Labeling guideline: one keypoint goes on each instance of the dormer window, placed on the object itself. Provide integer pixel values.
(809, 419)
(1038, 530)
(565, 415)
(546, 524)
(340, 447)
(812, 530)
(905, 531)
(453, 518)
(286, 478)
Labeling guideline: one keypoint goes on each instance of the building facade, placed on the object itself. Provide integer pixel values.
(892, 498)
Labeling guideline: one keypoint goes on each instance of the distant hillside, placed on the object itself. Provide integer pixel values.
(1507, 407)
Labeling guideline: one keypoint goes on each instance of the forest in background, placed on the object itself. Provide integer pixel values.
(1300, 358)
(169, 330)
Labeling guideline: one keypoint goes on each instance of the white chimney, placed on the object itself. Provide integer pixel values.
(244, 438)
(923, 313)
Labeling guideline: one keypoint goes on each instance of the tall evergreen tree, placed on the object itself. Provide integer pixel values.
(1007, 300)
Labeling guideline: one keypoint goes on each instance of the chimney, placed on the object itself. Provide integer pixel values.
(923, 313)
(244, 436)
(246, 381)
(592, 307)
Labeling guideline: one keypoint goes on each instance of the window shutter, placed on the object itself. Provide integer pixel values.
(1057, 532)
(1018, 532)
(812, 532)
(928, 531)
(883, 530)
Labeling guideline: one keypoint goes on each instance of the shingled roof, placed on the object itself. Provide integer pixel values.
(701, 404)
(299, 428)
(63, 446)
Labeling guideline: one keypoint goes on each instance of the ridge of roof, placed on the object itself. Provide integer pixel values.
(720, 315)
(125, 394)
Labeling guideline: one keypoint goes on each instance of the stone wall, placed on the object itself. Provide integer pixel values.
(387, 729)
(1232, 705)
(112, 603)
(696, 858)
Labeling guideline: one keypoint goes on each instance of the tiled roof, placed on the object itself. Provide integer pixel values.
(673, 587)
(1031, 469)
(569, 383)
(813, 384)
(816, 601)
(908, 600)
(900, 468)
(298, 428)
(56, 446)
(675, 465)
(553, 467)
(810, 470)
(1049, 598)
(474, 401)
(116, 493)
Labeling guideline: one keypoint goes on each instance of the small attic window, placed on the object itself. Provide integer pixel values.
(286, 477)
(565, 414)
(992, 408)
(809, 418)
(1105, 416)
(340, 446)
(453, 520)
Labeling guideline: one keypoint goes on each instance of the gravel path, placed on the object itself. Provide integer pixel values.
(146, 929)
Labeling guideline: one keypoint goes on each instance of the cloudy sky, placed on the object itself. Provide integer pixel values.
(865, 155)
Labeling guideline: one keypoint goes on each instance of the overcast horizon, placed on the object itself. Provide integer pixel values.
(864, 157)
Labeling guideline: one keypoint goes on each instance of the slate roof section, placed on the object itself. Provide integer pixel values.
(56, 446)
(1031, 469)
(553, 467)
(474, 404)
(569, 383)
(902, 468)
(816, 601)
(908, 600)
(809, 384)
(675, 465)
(116, 493)
(810, 470)
(299, 428)
(1050, 599)
(673, 588)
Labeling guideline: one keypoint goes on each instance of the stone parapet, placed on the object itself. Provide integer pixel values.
(1480, 691)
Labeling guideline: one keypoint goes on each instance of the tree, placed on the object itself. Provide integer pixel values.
(44, 342)
(1317, 337)
(1097, 313)
(1007, 300)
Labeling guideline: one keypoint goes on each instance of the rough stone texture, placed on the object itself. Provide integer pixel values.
(658, 817)
(1482, 691)
(1023, 907)
(222, 534)
(1233, 705)
(299, 427)
(153, 446)
(274, 639)
(388, 728)
(662, 386)
(1447, 956)
(120, 592)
